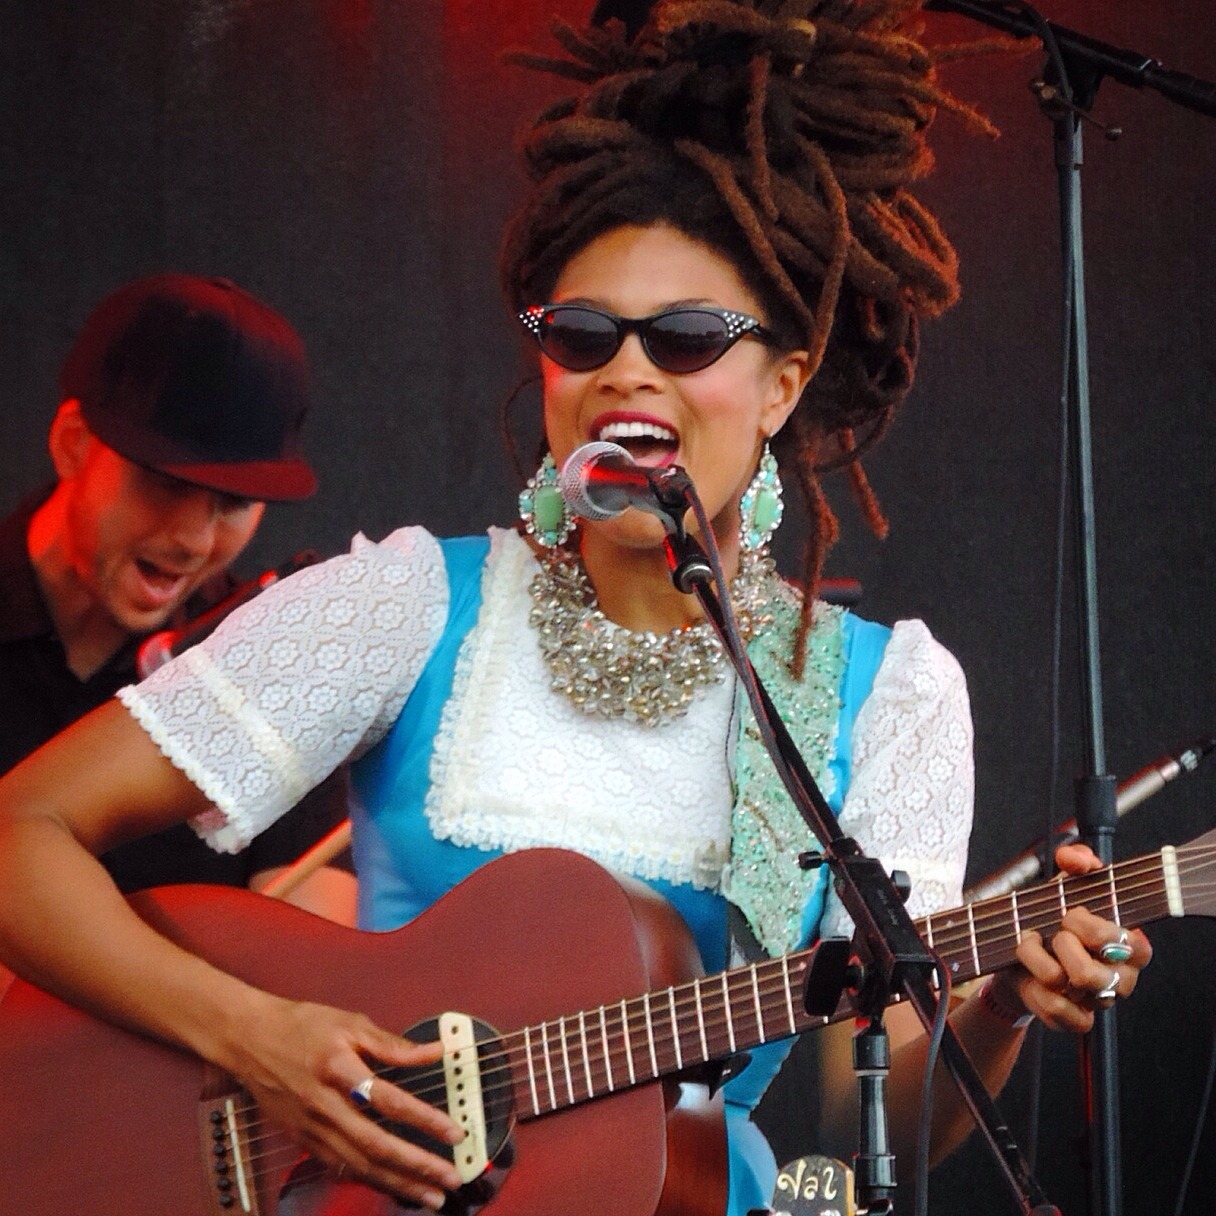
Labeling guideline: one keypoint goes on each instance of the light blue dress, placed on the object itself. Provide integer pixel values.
(403, 868)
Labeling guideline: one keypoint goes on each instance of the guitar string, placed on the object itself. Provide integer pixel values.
(1094, 891)
(1097, 884)
(664, 1047)
(664, 1039)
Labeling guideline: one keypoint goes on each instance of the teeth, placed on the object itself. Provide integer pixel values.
(638, 430)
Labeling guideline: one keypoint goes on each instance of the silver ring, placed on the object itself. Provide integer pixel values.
(1118, 951)
(1107, 996)
(361, 1094)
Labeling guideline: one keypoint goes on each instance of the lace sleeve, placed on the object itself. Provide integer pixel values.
(313, 670)
(910, 798)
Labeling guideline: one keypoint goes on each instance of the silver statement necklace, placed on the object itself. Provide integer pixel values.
(643, 677)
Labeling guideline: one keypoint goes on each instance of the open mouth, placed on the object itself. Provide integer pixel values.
(162, 583)
(649, 441)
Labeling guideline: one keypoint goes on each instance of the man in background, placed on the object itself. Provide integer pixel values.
(181, 405)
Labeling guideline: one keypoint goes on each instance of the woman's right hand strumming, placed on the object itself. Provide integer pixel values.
(314, 1071)
(65, 927)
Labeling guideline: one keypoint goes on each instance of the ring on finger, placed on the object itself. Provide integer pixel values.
(1118, 951)
(361, 1094)
(1106, 997)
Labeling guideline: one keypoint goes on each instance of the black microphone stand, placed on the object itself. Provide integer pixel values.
(1076, 67)
(894, 958)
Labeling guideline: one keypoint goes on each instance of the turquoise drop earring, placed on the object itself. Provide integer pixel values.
(761, 507)
(542, 507)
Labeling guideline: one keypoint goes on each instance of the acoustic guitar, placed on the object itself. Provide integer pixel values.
(557, 1066)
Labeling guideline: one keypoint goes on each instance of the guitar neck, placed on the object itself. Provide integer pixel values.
(585, 1055)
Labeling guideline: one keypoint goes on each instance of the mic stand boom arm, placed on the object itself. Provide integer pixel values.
(1099, 58)
(889, 943)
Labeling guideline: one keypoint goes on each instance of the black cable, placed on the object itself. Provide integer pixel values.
(1195, 1142)
(925, 1127)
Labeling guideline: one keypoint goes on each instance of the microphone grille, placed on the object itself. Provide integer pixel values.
(571, 480)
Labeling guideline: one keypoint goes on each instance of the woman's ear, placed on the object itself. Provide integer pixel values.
(69, 440)
(791, 373)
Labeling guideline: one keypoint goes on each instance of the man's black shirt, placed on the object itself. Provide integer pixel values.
(40, 696)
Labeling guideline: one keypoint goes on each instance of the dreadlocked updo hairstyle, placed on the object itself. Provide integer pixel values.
(783, 134)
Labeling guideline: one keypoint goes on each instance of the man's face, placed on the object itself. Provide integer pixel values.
(141, 542)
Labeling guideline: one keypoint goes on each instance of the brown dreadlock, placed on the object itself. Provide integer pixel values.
(783, 133)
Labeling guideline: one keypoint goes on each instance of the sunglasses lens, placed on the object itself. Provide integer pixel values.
(578, 338)
(687, 341)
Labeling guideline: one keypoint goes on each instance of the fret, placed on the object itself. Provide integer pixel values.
(1017, 917)
(582, 1034)
(607, 1053)
(696, 992)
(730, 1022)
(633, 1080)
(756, 1001)
(948, 953)
(561, 1025)
(654, 1064)
(975, 948)
(929, 932)
(675, 1029)
(531, 1070)
(1114, 894)
(789, 1002)
(544, 1043)
(1063, 901)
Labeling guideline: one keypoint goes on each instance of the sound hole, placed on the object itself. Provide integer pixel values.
(496, 1096)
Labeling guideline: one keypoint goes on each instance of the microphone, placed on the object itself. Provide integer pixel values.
(1148, 781)
(1131, 793)
(601, 481)
(155, 651)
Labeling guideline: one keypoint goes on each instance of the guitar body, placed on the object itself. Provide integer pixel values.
(544, 948)
(100, 1122)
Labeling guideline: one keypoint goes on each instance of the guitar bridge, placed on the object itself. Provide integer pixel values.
(224, 1129)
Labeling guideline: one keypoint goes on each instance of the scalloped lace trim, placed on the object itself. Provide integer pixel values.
(226, 831)
(313, 670)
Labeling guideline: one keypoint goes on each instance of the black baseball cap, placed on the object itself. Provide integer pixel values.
(198, 379)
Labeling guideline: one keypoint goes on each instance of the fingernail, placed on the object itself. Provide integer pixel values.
(433, 1199)
(456, 1135)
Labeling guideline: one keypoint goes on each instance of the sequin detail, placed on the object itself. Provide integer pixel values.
(767, 832)
(613, 672)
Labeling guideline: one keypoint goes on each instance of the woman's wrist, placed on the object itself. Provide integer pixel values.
(998, 1005)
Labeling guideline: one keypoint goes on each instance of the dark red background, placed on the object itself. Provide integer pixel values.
(350, 160)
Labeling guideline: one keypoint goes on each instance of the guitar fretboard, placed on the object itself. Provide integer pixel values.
(585, 1055)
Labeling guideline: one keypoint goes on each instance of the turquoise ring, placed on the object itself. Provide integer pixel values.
(1118, 951)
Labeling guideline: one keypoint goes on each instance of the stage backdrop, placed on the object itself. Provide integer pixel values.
(350, 161)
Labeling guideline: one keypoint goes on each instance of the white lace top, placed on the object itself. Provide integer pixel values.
(317, 669)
